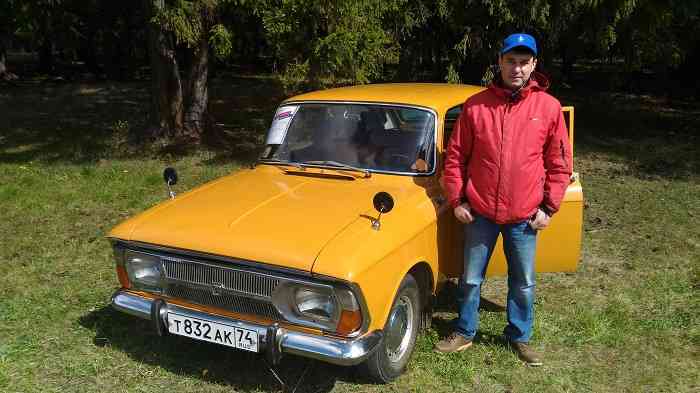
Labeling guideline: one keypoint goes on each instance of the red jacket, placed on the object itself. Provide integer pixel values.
(508, 157)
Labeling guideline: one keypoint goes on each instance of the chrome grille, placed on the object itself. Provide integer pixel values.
(237, 304)
(233, 289)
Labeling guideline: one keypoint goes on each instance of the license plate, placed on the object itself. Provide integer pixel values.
(214, 332)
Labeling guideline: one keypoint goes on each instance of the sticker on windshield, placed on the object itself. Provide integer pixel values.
(280, 124)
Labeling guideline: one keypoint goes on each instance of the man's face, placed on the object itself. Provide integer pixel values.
(516, 68)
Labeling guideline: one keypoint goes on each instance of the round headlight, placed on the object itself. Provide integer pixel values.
(315, 304)
(144, 270)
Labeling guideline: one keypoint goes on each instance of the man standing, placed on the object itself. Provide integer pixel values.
(507, 168)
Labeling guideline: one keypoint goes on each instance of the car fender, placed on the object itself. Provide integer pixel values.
(377, 260)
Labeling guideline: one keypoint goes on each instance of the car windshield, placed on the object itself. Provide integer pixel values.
(384, 138)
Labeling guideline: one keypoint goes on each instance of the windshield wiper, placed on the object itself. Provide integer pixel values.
(338, 165)
(275, 161)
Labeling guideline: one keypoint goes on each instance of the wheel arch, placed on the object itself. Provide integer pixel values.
(425, 278)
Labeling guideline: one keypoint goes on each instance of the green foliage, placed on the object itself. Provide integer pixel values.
(191, 21)
(344, 42)
(350, 42)
(220, 38)
(183, 19)
(660, 33)
(294, 77)
(489, 75)
(452, 75)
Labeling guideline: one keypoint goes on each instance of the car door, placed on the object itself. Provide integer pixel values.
(558, 246)
(450, 231)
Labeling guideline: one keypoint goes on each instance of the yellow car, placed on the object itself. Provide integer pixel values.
(332, 247)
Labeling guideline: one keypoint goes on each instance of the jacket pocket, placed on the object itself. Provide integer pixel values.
(529, 198)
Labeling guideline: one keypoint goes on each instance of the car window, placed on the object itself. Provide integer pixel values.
(369, 136)
(450, 120)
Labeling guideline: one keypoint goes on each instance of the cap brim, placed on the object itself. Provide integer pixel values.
(511, 47)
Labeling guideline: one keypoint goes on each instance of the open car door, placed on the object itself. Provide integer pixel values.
(559, 245)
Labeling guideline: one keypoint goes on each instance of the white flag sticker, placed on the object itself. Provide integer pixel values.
(280, 124)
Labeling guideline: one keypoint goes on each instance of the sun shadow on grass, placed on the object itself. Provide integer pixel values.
(67, 122)
(447, 299)
(447, 306)
(444, 327)
(86, 122)
(209, 362)
(242, 109)
(651, 137)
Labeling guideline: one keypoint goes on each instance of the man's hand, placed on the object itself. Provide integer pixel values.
(539, 221)
(463, 213)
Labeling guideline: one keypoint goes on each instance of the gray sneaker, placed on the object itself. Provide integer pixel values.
(455, 342)
(526, 354)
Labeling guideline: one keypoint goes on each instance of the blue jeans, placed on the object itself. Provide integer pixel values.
(519, 241)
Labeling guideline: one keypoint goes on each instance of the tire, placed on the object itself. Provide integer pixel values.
(400, 331)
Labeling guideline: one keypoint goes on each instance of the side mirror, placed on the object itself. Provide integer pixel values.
(170, 177)
(384, 203)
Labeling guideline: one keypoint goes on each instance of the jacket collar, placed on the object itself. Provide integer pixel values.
(537, 82)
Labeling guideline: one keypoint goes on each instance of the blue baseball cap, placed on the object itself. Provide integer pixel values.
(519, 39)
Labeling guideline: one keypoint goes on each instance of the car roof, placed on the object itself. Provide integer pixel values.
(438, 96)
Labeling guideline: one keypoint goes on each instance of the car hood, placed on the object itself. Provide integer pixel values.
(268, 215)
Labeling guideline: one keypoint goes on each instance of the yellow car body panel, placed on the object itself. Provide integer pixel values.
(379, 259)
(270, 214)
(437, 96)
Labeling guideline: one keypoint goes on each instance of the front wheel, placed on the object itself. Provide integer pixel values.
(400, 332)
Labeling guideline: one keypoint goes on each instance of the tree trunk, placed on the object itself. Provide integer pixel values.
(3, 58)
(166, 114)
(5, 73)
(130, 64)
(46, 58)
(197, 93)
(567, 62)
(88, 52)
(179, 79)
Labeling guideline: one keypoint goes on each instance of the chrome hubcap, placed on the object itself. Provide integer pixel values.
(399, 329)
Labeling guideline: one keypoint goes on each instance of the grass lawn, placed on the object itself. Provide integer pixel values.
(625, 322)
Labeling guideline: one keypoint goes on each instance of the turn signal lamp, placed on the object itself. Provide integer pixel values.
(350, 317)
(123, 277)
(349, 322)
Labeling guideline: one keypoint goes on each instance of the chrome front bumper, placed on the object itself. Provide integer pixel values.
(273, 340)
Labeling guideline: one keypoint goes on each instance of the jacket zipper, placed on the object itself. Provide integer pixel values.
(500, 164)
